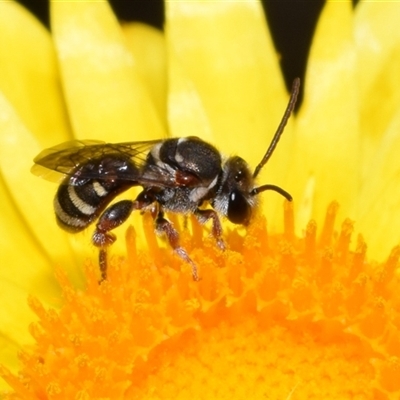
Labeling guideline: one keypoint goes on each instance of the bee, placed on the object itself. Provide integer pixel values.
(178, 175)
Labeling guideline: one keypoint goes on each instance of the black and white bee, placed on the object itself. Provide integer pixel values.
(178, 175)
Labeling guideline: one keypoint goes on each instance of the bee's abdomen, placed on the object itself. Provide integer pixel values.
(81, 198)
(77, 206)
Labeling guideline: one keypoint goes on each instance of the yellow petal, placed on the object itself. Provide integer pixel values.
(378, 47)
(327, 137)
(29, 74)
(224, 72)
(32, 196)
(187, 115)
(225, 49)
(106, 97)
(24, 269)
(20, 251)
(377, 40)
(379, 201)
(147, 45)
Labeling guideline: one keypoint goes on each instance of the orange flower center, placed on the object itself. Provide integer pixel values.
(274, 316)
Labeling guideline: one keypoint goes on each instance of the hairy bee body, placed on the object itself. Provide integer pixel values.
(179, 175)
(194, 167)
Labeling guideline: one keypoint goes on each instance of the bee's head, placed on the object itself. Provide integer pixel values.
(235, 197)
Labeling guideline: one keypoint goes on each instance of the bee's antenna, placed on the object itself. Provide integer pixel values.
(275, 188)
(292, 102)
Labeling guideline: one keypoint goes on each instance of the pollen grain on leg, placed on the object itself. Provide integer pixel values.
(273, 312)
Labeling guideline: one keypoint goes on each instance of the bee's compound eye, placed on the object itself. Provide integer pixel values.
(239, 210)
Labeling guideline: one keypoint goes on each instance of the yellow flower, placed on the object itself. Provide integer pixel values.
(297, 312)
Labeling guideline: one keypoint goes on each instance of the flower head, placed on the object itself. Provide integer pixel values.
(294, 311)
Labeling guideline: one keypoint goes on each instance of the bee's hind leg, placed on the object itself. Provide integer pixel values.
(111, 218)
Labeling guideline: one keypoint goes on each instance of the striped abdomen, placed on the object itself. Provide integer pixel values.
(83, 196)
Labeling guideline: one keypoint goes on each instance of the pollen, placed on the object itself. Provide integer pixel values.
(274, 316)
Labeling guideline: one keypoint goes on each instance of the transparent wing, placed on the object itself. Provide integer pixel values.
(58, 162)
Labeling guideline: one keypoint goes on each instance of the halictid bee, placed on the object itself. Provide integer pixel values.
(177, 175)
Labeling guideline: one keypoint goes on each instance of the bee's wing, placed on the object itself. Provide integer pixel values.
(60, 161)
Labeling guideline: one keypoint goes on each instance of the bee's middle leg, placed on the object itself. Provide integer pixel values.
(203, 216)
(166, 227)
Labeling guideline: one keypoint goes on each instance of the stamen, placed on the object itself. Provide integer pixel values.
(270, 311)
